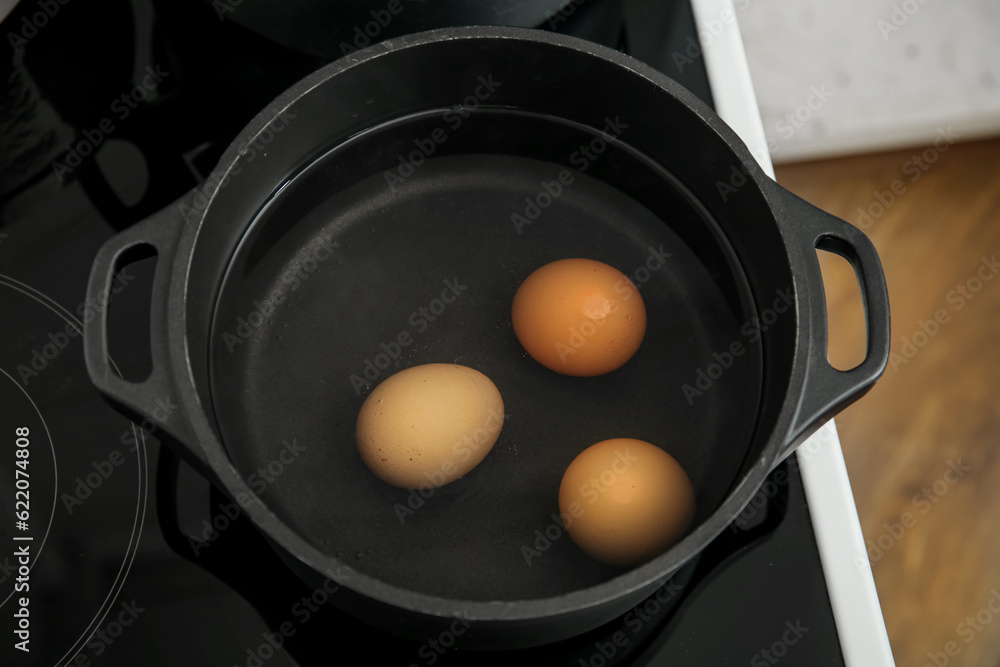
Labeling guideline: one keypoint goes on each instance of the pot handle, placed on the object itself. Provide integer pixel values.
(156, 395)
(827, 389)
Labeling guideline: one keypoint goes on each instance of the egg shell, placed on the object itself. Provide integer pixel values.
(428, 425)
(627, 501)
(579, 317)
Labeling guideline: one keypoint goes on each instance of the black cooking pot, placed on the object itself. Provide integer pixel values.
(381, 214)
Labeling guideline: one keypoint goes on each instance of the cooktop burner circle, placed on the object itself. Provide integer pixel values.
(77, 483)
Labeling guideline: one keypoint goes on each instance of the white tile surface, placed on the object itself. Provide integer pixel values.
(892, 72)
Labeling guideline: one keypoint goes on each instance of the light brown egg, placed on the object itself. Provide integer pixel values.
(626, 501)
(428, 425)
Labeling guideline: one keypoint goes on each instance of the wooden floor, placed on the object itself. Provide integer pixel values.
(922, 447)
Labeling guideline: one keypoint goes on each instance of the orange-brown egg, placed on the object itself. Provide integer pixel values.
(626, 501)
(579, 317)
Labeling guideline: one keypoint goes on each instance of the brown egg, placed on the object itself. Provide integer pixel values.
(579, 317)
(428, 425)
(627, 501)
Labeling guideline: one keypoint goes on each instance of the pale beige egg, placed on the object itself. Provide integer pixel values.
(428, 425)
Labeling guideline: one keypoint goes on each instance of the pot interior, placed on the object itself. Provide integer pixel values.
(352, 254)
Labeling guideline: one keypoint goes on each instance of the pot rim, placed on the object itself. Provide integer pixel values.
(655, 572)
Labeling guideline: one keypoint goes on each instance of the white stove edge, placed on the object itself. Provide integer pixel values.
(846, 567)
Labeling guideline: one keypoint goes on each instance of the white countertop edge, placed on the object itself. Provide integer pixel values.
(842, 550)
(853, 596)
